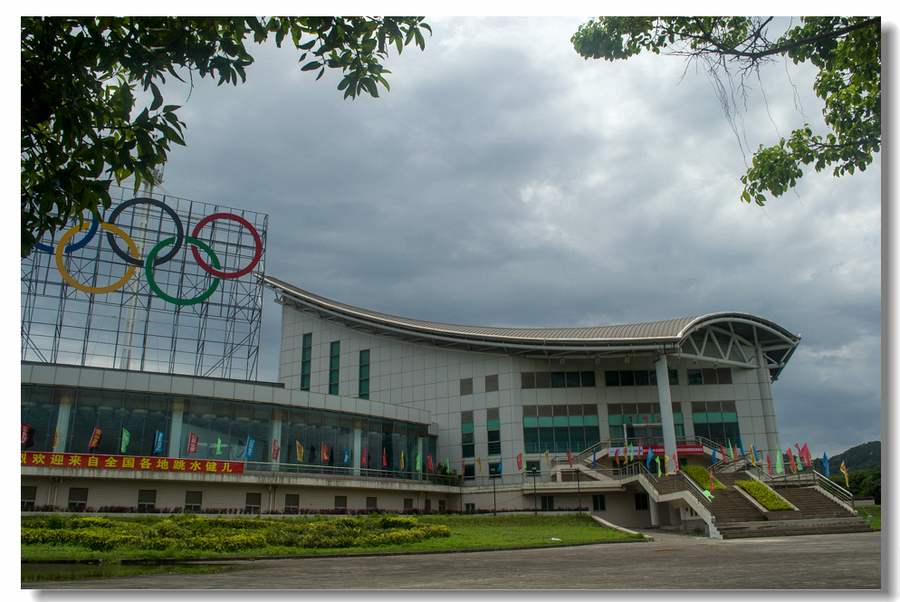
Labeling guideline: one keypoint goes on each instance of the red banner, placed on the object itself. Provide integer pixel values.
(130, 463)
(95, 438)
(275, 449)
(25, 428)
(192, 444)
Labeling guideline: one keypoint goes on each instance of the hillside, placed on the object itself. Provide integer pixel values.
(862, 457)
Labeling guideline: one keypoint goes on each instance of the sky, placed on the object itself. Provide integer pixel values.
(506, 181)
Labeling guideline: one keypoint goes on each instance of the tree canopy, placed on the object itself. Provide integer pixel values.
(79, 77)
(846, 51)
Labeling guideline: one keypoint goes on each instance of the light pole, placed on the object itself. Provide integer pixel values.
(534, 474)
(494, 483)
(578, 480)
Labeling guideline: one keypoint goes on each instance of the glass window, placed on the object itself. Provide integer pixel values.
(599, 503)
(641, 378)
(588, 379)
(573, 379)
(695, 377)
(193, 501)
(626, 378)
(612, 378)
(558, 380)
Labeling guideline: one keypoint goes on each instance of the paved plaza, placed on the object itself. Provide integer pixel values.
(847, 561)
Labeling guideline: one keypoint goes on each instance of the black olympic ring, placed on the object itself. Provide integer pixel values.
(179, 237)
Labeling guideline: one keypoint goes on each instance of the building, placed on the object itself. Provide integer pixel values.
(378, 411)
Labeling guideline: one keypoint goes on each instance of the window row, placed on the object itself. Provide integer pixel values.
(636, 378)
(557, 380)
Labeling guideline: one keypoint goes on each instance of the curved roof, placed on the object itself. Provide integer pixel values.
(668, 336)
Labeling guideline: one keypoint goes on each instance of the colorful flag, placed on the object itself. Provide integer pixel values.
(478, 461)
(95, 438)
(383, 457)
(402, 461)
(617, 456)
(418, 461)
(666, 463)
(346, 455)
(649, 457)
(807, 455)
(779, 465)
(741, 443)
(299, 452)
(219, 447)
(714, 456)
(675, 463)
(519, 461)
(192, 443)
(365, 458)
(55, 439)
(825, 462)
(846, 475)
(595, 458)
(275, 449)
(731, 449)
(126, 437)
(500, 466)
(791, 460)
(753, 454)
(769, 462)
(251, 446)
(324, 452)
(430, 465)
(722, 449)
(658, 470)
(547, 456)
(630, 451)
(158, 443)
(640, 449)
(712, 480)
(448, 465)
(569, 456)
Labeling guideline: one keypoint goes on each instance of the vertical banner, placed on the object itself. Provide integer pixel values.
(126, 437)
(158, 443)
(251, 447)
(519, 461)
(299, 452)
(25, 427)
(346, 455)
(95, 438)
(430, 465)
(219, 446)
(275, 449)
(192, 443)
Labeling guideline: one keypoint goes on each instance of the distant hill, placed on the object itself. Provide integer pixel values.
(862, 457)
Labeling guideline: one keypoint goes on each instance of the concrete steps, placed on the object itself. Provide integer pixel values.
(786, 528)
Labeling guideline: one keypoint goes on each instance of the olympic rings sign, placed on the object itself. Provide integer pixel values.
(153, 258)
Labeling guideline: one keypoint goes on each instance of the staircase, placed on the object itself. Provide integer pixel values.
(737, 517)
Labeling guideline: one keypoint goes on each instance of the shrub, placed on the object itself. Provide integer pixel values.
(765, 496)
(700, 475)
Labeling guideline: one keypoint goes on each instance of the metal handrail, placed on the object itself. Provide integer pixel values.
(833, 488)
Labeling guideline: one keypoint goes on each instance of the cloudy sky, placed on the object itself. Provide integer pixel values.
(506, 181)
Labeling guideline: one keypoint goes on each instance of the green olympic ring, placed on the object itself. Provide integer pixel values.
(96, 290)
(148, 267)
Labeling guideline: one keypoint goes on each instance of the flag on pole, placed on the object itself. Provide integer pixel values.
(478, 461)
(675, 463)
(569, 456)
(430, 464)
(741, 444)
(825, 462)
(731, 449)
(448, 465)
(219, 446)
(275, 449)
(126, 437)
(364, 461)
(846, 475)
(251, 447)
(500, 466)
(547, 456)
(769, 462)
(383, 457)
(658, 469)
(192, 443)
(617, 456)
(595, 458)
(712, 480)
(807, 455)
(779, 465)
(346, 455)
(722, 449)
(402, 461)
(630, 451)
(714, 456)
(324, 452)
(650, 457)
(753, 454)
(791, 460)
(666, 463)
(299, 452)
(519, 461)
(158, 443)
(418, 461)
(95, 438)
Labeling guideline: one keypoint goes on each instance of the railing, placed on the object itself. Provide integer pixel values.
(351, 472)
(834, 489)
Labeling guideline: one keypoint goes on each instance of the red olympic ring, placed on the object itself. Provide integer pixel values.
(219, 273)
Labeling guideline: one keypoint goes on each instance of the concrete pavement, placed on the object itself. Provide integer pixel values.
(846, 561)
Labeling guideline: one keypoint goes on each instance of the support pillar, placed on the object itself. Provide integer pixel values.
(357, 449)
(665, 411)
(654, 511)
(767, 401)
(61, 436)
(175, 442)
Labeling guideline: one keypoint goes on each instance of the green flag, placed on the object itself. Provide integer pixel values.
(779, 465)
(418, 462)
(219, 447)
(448, 465)
(126, 437)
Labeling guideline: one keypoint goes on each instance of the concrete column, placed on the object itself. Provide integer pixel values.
(62, 420)
(767, 401)
(175, 429)
(357, 450)
(654, 512)
(665, 411)
(275, 433)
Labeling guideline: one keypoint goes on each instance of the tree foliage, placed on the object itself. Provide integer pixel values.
(80, 75)
(846, 51)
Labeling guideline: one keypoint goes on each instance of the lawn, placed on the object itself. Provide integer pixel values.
(182, 537)
(874, 511)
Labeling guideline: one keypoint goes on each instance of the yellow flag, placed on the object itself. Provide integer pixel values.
(401, 460)
(666, 462)
(478, 461)
(547, 455)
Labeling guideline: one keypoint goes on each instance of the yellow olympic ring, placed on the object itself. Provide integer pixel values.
(96, 290)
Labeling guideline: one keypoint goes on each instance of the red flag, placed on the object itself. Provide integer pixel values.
(25, 429)
(769, 462)
(721, 447)
(192, 444)
(712, 482)
(640, 449)
(807, 455)
(791, 460)
(430, 466)
(519, 461)
(275, 449)
(324, 452)
(569, 456)
(383, 458)
(365, 462)
(617, 456)
(95, 438)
